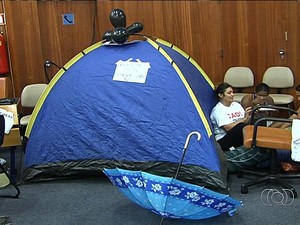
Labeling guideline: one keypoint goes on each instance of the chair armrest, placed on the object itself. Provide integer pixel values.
(271, 107)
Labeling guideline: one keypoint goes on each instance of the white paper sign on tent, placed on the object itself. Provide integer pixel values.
(128, 71)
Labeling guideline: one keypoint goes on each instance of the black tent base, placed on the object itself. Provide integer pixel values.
(188, 173)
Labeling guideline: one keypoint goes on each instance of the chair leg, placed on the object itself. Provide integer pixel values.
(244, 186)
(273, 163)
(24, 143)
(272, 176)
(2, 170)
(275, 179)
(23, 137)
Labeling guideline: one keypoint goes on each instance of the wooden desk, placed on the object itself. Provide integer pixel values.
(13, 138)
(268, 137)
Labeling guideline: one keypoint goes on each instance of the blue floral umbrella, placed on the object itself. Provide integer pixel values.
(170, 197)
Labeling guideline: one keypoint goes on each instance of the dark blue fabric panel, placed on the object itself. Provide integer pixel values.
(201, 88)
(199, 85)
(88, 115)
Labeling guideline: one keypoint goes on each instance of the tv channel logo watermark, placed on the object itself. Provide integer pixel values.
(277, 197)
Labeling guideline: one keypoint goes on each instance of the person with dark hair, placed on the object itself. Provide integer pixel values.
(228, 118)
(260, 97)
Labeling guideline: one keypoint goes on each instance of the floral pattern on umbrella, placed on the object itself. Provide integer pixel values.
(170, 197)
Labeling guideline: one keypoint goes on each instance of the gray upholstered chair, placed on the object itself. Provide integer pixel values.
(279, 78)
(29, 98)
(239, 77)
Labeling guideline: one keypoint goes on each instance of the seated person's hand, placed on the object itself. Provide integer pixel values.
(248, 111)
(257, 101)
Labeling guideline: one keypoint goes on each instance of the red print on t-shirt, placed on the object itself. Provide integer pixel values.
(234, 115)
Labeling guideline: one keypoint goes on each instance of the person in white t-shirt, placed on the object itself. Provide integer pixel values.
(228, 118)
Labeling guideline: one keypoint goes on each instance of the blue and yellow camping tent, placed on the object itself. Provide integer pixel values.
(125, 105)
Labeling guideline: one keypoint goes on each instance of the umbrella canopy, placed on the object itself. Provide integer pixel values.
(170, 197)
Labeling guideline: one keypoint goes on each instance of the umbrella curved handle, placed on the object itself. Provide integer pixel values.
(189, 137)
(185, 148)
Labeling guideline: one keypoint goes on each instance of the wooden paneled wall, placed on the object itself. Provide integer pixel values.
(36, 34)
(255, 31)
(217, 34)
(24, 43)
(193, 26)
(62, 42)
